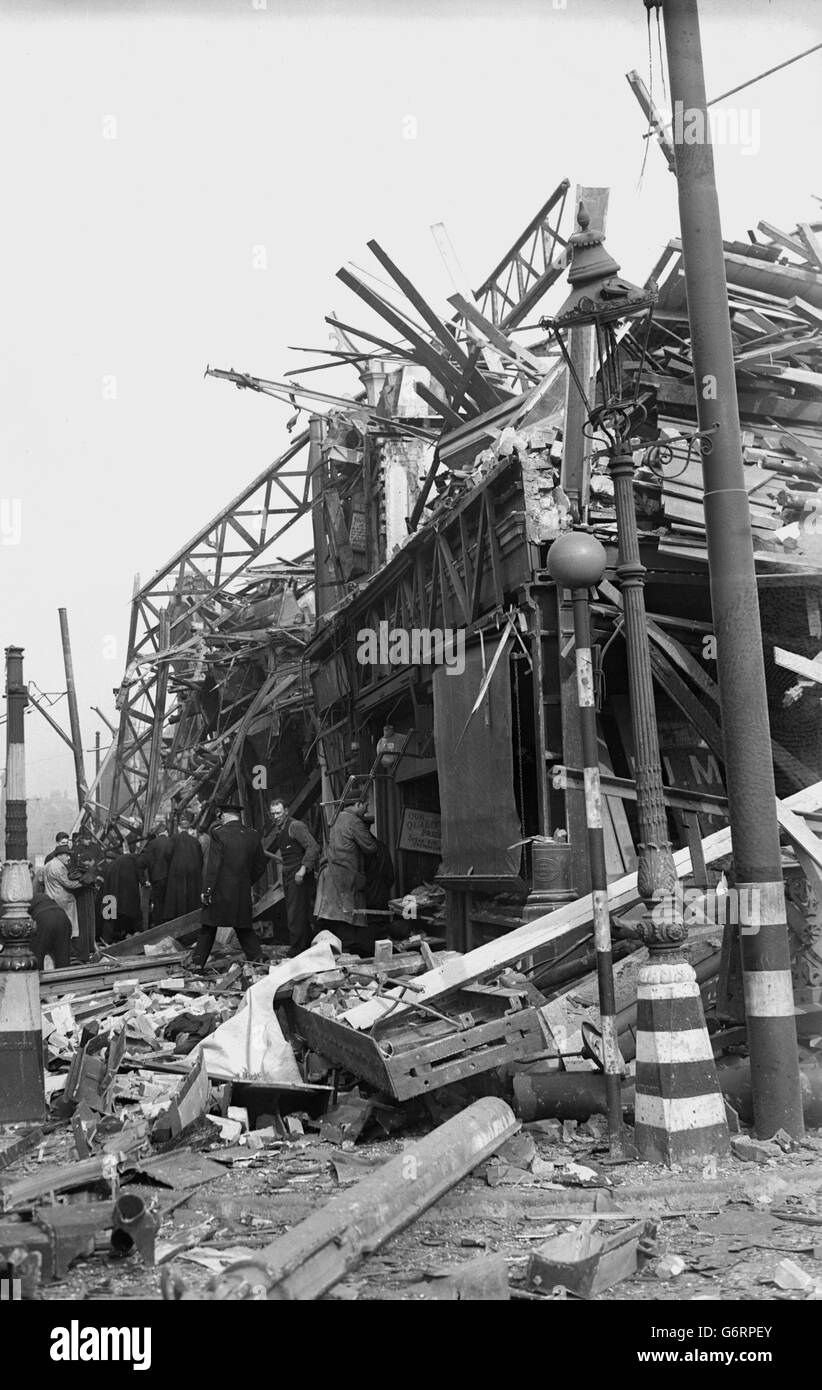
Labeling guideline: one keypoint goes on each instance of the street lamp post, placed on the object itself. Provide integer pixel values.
(603, 300)
(577, 562)
(680, 1115)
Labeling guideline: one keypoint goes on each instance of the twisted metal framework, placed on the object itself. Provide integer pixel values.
(212, 565)
(221, 557)
(529, 268)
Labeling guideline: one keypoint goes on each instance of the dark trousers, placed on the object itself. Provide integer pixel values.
(53, 941)
(357, 941)
(207, 936)
(299, 900)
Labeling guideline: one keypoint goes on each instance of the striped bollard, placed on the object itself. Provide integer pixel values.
(21, 1037)
(679, 1110)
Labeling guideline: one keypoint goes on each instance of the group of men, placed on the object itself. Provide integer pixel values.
(171, 866)
(333, 894)
(54, 906)
(344, 892)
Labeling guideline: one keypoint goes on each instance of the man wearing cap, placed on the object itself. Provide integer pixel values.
(299, 853)
(61, 838)
(236, 859)
(60, 886)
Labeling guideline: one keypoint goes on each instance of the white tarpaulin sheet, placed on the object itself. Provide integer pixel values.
(250, 1046)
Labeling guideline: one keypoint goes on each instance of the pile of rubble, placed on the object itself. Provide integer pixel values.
(202, 1143)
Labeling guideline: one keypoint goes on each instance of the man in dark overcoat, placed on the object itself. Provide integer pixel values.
(236, 859)
(154, 862)
(120, 905)
(184, 884)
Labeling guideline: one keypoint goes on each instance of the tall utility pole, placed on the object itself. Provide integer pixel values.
(74, 716)
(769, 1006)
(16, 701)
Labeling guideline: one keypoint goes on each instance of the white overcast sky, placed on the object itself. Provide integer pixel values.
(239, 126)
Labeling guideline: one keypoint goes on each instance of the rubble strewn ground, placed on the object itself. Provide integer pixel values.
(246, 1162)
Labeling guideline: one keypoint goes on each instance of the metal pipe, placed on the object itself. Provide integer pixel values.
(655, 874)
(104, 718)
(768, 992)
(74, 715)
(599, 872)
(319, 1251)
(562, 1095)
(35, 704)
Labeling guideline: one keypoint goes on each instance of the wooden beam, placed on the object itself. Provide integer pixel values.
(493, 545)
(681, 694)
(783, 239)
(478, 561)
(524, 941)
(512, 351)
(440, 407)
(180, 929)
(800, 834)
(654, 117)
(456, 581)
(810, 241)
(482, 391)
(437, 365)
(800, 665)
(678, 798)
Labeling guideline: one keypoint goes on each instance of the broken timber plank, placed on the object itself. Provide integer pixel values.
(783, 239)
(81, 979)
(811, 243)
(482, 391)
(807, 846)
(800, 665)
(678, 798)
(180, 929)
(506, 950)
(623, 840)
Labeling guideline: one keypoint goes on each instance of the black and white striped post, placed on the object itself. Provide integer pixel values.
(21, 1037)
(577, 562)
